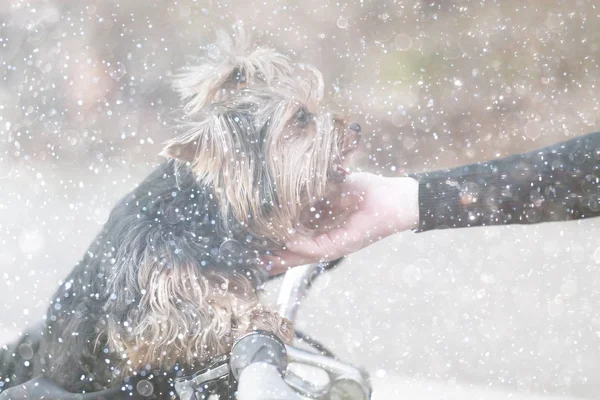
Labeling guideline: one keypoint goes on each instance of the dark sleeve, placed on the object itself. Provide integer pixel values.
(557, 183)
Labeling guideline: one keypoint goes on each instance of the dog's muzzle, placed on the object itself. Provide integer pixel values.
(353, 136)
(349, 143)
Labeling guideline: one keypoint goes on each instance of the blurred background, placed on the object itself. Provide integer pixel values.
(504, 312)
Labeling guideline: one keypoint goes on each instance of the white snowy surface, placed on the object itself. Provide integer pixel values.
(401, 388)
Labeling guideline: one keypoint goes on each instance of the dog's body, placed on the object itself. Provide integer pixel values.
(171, 281)
(157, 306)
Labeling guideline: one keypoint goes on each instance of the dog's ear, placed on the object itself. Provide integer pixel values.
(225, 151)
(204, 144)
(228, 65)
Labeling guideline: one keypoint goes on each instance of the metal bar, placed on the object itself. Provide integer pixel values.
(294, 287)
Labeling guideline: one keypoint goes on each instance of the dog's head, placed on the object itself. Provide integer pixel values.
(257, 132)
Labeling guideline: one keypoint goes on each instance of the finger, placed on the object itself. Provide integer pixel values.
(277, 270)
(339, 242)
(282, 261)
(287, 259)
(304, 245)
(327, 246)
(272, 264)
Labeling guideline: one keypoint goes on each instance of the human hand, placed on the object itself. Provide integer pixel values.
(367, 208)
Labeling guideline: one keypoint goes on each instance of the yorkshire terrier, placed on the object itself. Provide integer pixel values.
(173, 277)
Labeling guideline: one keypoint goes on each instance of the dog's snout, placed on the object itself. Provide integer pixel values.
(351, 137)
(354, 127)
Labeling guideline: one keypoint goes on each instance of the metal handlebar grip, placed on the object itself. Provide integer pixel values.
(257, 347)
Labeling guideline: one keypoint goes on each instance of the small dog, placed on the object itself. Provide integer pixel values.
(173, 277)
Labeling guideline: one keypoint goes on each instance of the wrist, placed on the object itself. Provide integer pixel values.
(404, 201)
(413, 202)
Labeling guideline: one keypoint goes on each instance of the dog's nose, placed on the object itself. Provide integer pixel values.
(355, 127)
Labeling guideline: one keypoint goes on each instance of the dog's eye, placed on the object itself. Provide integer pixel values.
(302, 116)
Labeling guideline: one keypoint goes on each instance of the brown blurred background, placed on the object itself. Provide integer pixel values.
(85, 105)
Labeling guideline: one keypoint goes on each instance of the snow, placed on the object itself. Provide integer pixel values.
(494, 313)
